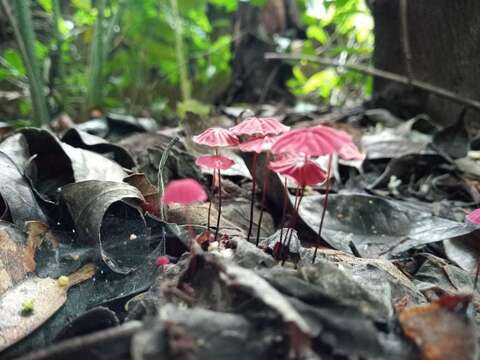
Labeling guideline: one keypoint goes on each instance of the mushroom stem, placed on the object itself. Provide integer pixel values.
(325, 205)
(282, 221)
(219, 203)
(294, 222)
(477, 273)
(264, 196)
(209, 212)
(252, 201)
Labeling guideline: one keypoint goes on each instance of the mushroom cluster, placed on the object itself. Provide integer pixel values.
(289, 153)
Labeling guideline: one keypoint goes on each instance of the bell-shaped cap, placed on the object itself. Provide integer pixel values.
(216, 137)
(474, 216)
(315, 141)
(218, 162)
(258, 144)
(185, 191)
(301, 169)
(254, 126)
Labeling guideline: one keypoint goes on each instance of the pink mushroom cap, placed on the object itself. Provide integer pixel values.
(218, 162)
(301, 169)
(259, 127)
(315, 141)
(474, 216)
(216, 137)
(258, 145)
(185, 191)
(162, 261)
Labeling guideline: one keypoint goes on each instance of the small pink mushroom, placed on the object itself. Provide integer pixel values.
(185, 191)
(162, 261)
(317, 141)
(304, 172)
(262, 129)
(254, 126)
(216, 137)
(215, 162)
(474, 216)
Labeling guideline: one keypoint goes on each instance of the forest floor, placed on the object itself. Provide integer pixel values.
(83, 229)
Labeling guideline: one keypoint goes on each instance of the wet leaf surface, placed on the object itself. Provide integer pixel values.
(16, 195)
(105, 213)
(378, 226)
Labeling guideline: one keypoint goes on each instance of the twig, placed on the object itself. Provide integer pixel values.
(441, 92)
(160, 179)
(405, 40)
(65, 348)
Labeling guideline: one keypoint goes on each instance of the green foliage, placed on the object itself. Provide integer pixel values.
(129, 55)
(20, 17)
(338, 29)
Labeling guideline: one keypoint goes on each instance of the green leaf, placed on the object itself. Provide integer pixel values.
(82, 4)
(15, 63)
(46, 5)
(317, 33)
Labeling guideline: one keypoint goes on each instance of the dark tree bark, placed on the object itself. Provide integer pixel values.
(253, 79)
(444, 38)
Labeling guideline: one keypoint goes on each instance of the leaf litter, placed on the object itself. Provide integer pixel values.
(393, 276)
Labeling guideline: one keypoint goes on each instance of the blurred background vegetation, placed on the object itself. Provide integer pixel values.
(152, 57)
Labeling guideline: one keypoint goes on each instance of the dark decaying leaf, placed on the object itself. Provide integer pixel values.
(372, 285)
(16, 195)
(453, 140)
(408, 167)
(16, 148)
(436, 276)
(242, 286)
(83, 140)
(107, 214)
(444, 329)
(345, 328)
(108, 344)
(464, 251)
(147, 150)
(150, 193)
(52, 164)
(47, 297)
(181, 332)
(375, 225)
(96, 319)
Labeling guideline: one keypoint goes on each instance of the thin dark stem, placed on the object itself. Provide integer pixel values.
(325, 205)
(294, 222)
(252, 200)
(264, 196)
(209, 212)
(284, 211)
(219, 203)
(477, 273)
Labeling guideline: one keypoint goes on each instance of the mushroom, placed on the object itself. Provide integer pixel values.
(215, 162)
(304, 172)
(216, 137)
(318, 141)
(261, 133)
(185, 192)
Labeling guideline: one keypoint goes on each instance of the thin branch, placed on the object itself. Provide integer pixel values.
(405, 40)
(65, 348)
(441, 92)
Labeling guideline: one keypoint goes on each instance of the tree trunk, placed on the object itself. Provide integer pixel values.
(444, 38)
(253, 79)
